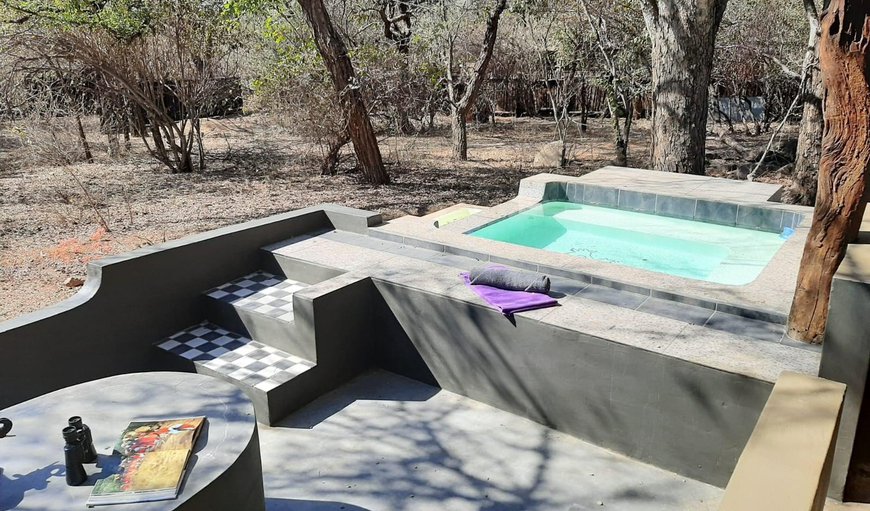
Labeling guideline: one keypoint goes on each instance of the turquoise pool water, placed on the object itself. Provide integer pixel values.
(697, 250)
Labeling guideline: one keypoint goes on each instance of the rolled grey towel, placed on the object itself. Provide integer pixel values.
(513, 280)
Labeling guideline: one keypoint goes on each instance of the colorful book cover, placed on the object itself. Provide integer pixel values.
(153, 455)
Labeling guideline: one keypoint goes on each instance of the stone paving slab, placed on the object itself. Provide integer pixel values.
(384, 442)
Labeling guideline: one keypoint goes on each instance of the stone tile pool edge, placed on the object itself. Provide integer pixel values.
(767, 298)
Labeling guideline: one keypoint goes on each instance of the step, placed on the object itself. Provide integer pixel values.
(274, 379)
(260, 306)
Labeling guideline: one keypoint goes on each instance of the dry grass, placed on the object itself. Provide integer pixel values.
(50, 216)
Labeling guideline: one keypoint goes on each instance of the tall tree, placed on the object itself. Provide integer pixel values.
(396, 18)
(845, 162)
(461, 95)
(334, 53)
(809, 147)
(683, 36)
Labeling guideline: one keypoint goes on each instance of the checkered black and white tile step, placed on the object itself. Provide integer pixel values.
(260, 292)
(236, 357)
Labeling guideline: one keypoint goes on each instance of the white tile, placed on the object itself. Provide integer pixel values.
(271, 359)
(218, 352)
(220, 341)
(193, 343)
(264, 309)
(202, 330)
(245, 283)
(270, 282)
(268, 372)
(247, 348)
(168, 345)
(267, 385)
(264, 299)
(298, 369)
(286, 317)
(215, 363)
(243, 292)
(191, 354)
(241, 302)
(244, 361)
(240, 374)
(218, 294)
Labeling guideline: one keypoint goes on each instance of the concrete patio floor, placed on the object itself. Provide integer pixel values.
(384, 442)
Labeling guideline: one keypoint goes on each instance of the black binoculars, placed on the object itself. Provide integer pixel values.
(79, 449)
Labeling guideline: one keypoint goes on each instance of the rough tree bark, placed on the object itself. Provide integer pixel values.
(460, 106)
(809, 147)
(396, 17)
(334, 53)
(845, 162)
(683, 35)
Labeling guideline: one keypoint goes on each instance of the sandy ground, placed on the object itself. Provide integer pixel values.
(51, 215)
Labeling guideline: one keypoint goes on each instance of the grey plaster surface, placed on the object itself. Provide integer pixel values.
(384, 442)
(131, 300)
(595, 310)
(846, 358)
(224, 471)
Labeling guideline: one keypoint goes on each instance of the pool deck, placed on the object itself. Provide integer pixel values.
(715, 339)
(384, 442)
(771, 293)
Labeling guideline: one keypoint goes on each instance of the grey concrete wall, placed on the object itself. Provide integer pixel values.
(130, 301)
(680, 416)
(846, 359)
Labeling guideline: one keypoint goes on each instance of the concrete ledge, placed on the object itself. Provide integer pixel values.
(131, 300)
(786, 464)
(846, 359)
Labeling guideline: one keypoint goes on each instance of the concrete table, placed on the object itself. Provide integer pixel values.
(224, 470)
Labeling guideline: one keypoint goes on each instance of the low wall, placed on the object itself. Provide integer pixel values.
(674, 414)
(846, 359)
(130, 301)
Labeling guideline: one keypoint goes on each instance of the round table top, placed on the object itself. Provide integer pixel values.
(32, 472)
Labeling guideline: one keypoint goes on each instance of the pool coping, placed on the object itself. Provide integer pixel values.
(774, 285)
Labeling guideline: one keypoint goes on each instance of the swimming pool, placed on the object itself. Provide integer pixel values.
(685, 248)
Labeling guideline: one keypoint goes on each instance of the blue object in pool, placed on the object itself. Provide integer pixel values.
(685, 248)
(787, 232)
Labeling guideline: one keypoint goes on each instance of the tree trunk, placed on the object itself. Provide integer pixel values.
(469, 97)
(334, 54)
(459, 131)
(809, 147)
(683, 36)
(333, 151)
(84, 140)
(843, 168)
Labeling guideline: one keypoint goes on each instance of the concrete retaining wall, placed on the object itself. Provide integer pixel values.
(681, 416)
(846, 359)
(130, 301)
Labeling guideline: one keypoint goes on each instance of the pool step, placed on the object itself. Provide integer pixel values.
(260, 306)
(276, 381)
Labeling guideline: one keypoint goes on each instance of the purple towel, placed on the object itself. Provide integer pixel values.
(509, 302)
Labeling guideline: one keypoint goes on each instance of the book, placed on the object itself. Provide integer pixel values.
(152, 456)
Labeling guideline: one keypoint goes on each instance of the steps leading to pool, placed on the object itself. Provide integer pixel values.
(260, 306)
(276, 381)
(271, 333)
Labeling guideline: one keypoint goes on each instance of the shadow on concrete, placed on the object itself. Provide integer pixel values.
(421, 448)
(309, 505)
(13, 488)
